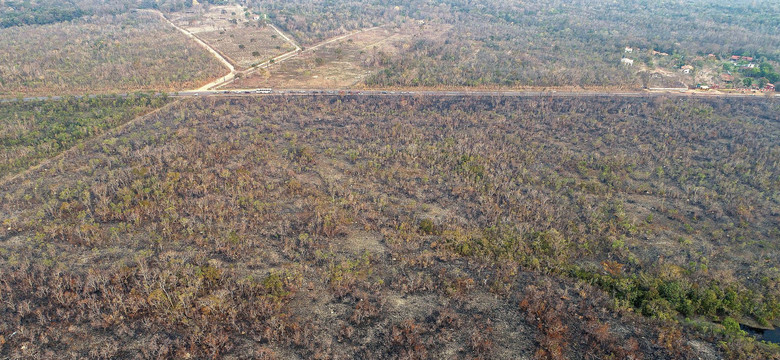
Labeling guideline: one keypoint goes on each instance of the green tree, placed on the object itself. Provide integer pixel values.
(732, 327)
(761, 82)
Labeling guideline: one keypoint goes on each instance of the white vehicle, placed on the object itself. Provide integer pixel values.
(262, 91)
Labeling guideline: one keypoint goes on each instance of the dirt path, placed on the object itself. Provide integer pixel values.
(208, 48)
(297, 51)
(266, 64)
(342, 37)
(297, 48)
(232, 76)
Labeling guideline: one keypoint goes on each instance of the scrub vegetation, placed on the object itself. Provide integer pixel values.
(101, 54)
(402, 227)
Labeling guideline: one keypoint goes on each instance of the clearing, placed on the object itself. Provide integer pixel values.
(245, 39)
(339, 62)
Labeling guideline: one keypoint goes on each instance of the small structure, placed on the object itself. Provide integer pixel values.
(747, 58)
(735, 57)
(726, 77)
(769, 87)
(627, 62)
(686, 69)
(711, 56)
(629, 50)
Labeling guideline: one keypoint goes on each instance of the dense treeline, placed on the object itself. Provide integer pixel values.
(34, 130)
(765, 71)
(402, 228)
(42, 12)
(38, 15)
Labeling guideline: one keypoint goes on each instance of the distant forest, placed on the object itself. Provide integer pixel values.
(540, 43)
(36, 15)
(547, 43)
(41, 12)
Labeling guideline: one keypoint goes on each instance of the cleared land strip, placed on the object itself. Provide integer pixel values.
(461, 93)
(347, 92)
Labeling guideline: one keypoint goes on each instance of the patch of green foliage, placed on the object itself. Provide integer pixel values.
(17, 14)
(657, 297)
(34, 130)
(652, 295)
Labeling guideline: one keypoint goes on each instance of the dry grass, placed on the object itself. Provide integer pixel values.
(127, 52)
(245, 42)
(236, 225)
(339, 64)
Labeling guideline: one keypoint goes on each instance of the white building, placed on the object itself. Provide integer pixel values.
(627, 62)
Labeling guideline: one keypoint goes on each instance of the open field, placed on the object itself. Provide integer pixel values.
(414, 227)
(127, 52)
(342, 62)
(244, 42)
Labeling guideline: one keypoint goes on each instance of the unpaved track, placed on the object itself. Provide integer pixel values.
(296, 52)
(297, 48)
(210, 49)
(265, 64)
(342, 37)
(227, 79)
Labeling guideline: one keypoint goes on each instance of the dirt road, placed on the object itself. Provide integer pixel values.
(230, 76)
(266, 64)
(295, 52)
(297, 48)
